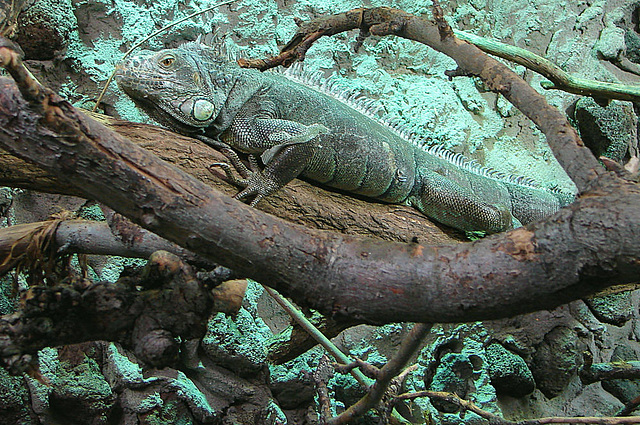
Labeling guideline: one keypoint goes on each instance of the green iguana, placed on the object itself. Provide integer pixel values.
(299, 130)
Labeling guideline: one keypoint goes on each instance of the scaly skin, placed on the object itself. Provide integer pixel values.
(299, 131)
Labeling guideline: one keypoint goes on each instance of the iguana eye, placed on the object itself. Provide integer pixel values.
(167, 61)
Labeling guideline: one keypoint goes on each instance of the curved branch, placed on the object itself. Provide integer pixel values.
(497, 420)
(560, 80)
(567, 147)
(391, 369)
(87, 237)
(587, 246)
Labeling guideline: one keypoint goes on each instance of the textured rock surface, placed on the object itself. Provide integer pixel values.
(615, 309)
(509, 373)
(556, 360)
(608, 131)
(74, 45)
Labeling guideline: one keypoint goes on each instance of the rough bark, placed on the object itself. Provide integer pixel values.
(587, 246)
(584, 247)
(85, 237)
(9, 10)
(144, 313)
(298, 202)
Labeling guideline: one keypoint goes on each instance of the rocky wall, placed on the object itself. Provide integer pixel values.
(520, 368)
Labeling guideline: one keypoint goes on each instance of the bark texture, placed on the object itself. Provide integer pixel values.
(299, 202)
(585, 247)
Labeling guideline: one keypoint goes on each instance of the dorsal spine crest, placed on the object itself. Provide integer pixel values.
(371, 108)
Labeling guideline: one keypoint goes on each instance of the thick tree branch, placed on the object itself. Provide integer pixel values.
(594, 372)
(85, 237)
(298, 202)
(587, 246)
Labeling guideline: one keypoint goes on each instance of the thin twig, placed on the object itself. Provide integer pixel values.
(393, 367)
(629, 407)
(560, 80)
(316, 334)
(497, 420)
(453, 399)
(367, 369)
(606, 371)
(320, 377)
(139, 43)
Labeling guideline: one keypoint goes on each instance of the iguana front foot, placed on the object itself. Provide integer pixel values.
(283, 161)
(231, 155)
(256, 184)
(242, 182)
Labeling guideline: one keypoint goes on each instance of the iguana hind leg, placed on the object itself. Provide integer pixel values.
(449, 203)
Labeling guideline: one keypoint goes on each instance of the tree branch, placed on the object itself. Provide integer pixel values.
(560, 80)
(587, 246)
(298, 202)
(594, 372)
(497, 420)
(85, 237)
(394, 366)
(574, 157)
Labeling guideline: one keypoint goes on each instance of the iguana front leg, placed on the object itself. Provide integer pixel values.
(285, 147)
(231, 156)
(284, 167)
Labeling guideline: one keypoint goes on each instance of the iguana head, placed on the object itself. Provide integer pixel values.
(182, 88)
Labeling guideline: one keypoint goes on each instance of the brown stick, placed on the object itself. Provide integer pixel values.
(394, 366)
(577, 251)
(85, 237)
(575, 158)
(629, 407)
(497, 420)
